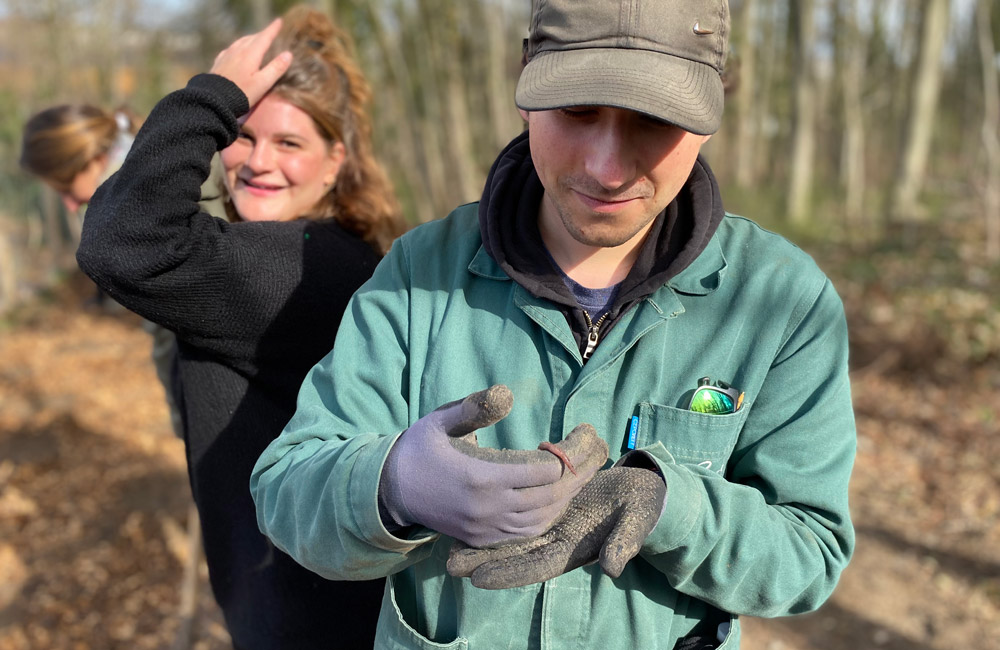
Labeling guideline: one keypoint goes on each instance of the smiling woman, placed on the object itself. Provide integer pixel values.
(255, 301)
(304, 149)
(280, 165)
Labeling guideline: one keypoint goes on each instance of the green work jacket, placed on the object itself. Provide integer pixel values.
(756, 520)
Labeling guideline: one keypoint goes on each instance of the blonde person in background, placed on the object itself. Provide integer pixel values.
(73, 148)
(257, 301)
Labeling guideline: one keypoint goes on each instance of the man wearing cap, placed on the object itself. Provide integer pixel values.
(616, 310)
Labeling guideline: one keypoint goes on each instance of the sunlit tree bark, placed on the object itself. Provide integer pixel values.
(990, 130)
(499, 52)
(397, 99)
(924, 101)
(260, 13)
(442, 24)
(9, 270)
(804, 138)
(770, 74)
(748, 127)
(428, 93)
(329, 7)
(852, 162)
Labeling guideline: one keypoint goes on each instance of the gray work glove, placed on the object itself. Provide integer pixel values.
(609, 519)
(438, 476)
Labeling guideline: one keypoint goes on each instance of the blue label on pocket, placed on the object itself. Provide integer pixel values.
(633, 431)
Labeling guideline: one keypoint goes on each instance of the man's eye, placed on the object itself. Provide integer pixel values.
(649, 120)
(577, 112)
(244, 136)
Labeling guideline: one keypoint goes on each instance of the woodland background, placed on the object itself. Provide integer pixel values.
(867, 132)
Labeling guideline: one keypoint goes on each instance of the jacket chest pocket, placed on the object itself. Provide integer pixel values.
(691, 438)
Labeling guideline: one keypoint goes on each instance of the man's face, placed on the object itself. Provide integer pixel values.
(607, 172)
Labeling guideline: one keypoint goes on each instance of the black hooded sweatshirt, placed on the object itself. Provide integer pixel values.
(508, 221)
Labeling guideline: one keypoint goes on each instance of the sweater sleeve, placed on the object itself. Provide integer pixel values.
(219, 286)
(772, 538)
(316, 485)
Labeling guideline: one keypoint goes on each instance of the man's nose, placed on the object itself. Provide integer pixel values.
(610, 158)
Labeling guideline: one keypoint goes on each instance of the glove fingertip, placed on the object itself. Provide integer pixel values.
(614, 565)
(485, 408)
(462, 562)
(588, 440)
(584, 429)
(618, 550)
(497, 401)
(506, 575)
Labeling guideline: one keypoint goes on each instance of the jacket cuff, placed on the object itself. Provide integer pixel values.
(363, 488)
(682, 505)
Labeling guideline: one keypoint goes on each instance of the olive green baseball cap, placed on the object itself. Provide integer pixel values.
(663, 58)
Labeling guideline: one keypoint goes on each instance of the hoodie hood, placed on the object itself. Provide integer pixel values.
(508, 221)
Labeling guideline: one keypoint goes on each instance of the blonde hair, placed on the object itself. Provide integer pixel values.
(325, 81)
(59, 142)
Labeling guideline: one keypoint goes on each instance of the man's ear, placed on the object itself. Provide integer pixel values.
(524, 114)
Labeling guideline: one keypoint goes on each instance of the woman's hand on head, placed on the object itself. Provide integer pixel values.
(240, 63)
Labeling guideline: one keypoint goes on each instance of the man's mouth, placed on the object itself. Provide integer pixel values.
(605, 204)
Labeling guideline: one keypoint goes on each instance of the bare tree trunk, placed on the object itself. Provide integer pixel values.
(917, 139)
(106, 29)
(467, 184)
(8, 270)
(503, 116)
(58, 45)
(852, 160)
(772, 44)
(804, 140)
(428, 94)
(188, 611)
(53, 229)
(260, 13)
(460, 151)
(329, 7)
(991, 130)
(748, 126)
(74, 226)
(452, 131)
(399, 104)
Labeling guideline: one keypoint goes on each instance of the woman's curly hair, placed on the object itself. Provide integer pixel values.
(325, 81)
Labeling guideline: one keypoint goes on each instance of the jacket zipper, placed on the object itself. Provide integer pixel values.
(593, 332)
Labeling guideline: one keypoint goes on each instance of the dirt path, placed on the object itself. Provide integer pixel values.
(94, 501)
(94, 496)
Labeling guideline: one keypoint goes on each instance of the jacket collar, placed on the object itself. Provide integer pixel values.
(485, 266)
(681, 251)
(703, 276)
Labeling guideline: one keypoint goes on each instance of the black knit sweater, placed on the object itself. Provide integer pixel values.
(254, 306)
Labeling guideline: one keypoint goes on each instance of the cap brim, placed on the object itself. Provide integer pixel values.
(679, 91)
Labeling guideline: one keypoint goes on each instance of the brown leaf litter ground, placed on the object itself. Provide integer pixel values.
(94, 503)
